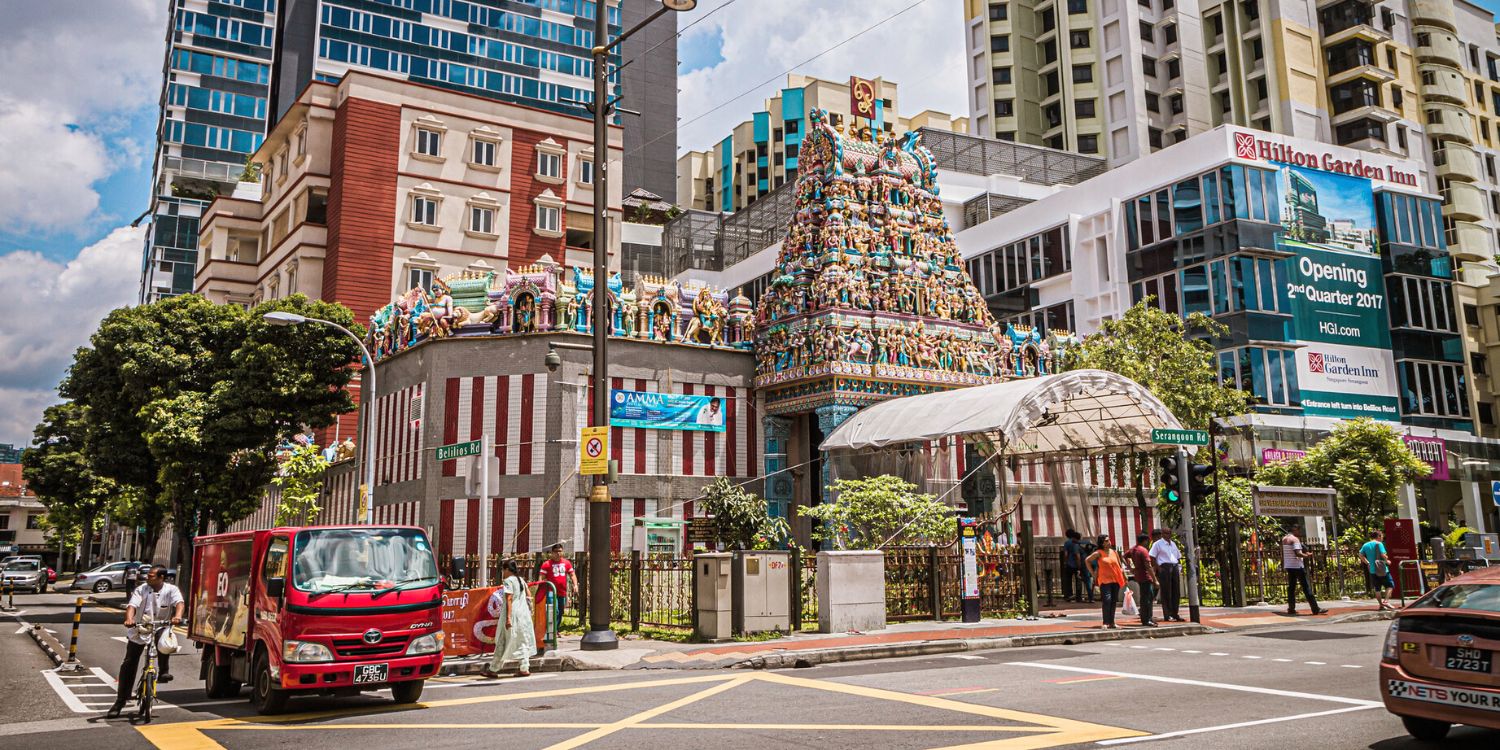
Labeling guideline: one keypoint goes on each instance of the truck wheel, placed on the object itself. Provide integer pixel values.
(407, 692)
(101, 587)
(217, 683)
(1430, 730)
(265, 696)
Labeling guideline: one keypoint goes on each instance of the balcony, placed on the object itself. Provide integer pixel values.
(1358, 31)
(1370, 71)
(1447, 84)
(1469, 241)
(1441, 46)
(1452, 123)
(1432, 13)
(1376, 112)
(1457, 162)
(1462, 201)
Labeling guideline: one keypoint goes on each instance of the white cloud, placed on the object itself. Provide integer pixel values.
(921, 50)
(72, 73)
(53, 308)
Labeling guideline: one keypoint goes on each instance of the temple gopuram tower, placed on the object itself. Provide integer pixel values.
(870, 301)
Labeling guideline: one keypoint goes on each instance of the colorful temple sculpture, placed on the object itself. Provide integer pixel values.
(547, 297)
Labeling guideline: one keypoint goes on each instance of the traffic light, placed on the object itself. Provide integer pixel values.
(1198, 486)
(1170, 478)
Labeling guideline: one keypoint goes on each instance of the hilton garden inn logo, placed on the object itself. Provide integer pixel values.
(1333, 364)
(1244, 145)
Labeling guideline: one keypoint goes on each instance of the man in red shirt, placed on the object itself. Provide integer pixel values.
(1144, 574)
(559, 571)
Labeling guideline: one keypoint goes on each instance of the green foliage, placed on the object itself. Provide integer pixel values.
(1171, 356)
(742, 518)
(1365, 461)
(62, 477)
(251, 171)
(1455, 538)
(882, 511)
(187, 400)
(301, 481)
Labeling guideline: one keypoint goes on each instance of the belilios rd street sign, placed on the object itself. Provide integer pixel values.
(457, 450)
(1164, 436)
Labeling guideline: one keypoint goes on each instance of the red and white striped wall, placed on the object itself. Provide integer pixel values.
(399, 514)
(1120, 522)
(516, 525)
(511, 409)
(264, 517)
(341, 498)
(730, 453)
(398, 446)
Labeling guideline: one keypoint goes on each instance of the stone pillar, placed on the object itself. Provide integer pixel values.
(1475, 496)
(778, 484)
(830, 417)
(1406, 505)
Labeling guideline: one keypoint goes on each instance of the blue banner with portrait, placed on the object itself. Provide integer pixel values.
(666, 411)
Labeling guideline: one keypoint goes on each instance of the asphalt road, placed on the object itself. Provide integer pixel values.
(1289, 687)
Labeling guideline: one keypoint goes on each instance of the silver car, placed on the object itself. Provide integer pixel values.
(104, 578)
(25, 574)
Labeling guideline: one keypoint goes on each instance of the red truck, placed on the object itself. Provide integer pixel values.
(332, 610)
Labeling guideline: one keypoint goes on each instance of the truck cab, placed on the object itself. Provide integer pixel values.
(331, 610)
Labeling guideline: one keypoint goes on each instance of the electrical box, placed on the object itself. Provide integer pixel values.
(713, 595)
(762, 591)
(1478, 546)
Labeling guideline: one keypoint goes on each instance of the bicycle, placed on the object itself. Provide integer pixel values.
(145, 689)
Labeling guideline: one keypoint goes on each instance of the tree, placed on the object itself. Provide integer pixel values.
(300, 478)
(187, 400)
(742, 519)
(1366, 461)
(1174, 358)
(876, 512)
(62, 477)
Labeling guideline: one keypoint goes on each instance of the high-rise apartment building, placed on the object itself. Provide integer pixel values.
(215, 81)
(760, 154)
(531, 52)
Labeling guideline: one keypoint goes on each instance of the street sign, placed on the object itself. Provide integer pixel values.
(702, 530)
(593, 456)
(457, 450)
(1495, 492)
(1164, 436)
(1292, 501)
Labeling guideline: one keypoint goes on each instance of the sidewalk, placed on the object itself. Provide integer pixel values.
(918, 639)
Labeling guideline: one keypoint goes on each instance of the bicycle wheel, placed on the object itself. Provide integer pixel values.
(148, 692)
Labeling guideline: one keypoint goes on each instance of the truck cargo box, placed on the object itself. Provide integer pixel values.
(220, 596)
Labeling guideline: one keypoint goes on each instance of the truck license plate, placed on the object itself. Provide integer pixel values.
(1468, 659)
(367, 673)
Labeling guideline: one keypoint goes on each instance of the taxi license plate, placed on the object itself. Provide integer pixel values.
(367, 673)
(1468, 659)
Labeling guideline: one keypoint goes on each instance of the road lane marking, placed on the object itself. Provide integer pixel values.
(1200, 683)
(650, 713)
(1316, 663)
(67, 696)
(1240, 725)
(959, 691)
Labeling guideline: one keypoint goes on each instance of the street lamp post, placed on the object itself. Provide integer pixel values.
(599, 636)
(366, 395)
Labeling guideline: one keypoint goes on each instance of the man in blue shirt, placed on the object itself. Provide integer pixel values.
(1377, 568)
(1072, 562)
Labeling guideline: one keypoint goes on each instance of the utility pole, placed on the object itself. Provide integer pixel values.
(1189, 536)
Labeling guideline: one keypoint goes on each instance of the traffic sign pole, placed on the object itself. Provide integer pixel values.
(1189, 537)
(486, 510)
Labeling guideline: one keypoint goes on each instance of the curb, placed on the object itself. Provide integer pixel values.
(812, 657)
(53, 649)
(549, 663)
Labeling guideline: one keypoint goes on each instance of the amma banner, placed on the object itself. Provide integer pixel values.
(1337, 295)
(666, 411)
(1292, 501)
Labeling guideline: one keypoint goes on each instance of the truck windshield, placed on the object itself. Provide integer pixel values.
(361, 559)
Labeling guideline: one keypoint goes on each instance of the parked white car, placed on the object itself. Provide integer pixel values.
(103, 578)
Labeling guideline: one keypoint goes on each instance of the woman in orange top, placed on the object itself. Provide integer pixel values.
(1109, 576)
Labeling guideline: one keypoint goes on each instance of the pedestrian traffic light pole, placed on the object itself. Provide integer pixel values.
(1189, 536)
(600, 637)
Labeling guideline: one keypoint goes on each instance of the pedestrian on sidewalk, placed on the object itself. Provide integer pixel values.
(1109, 572)
(1167, 557)
(1085, 576)
(1072, 567)
(1144, 574)
(1377, 568)
(1294, 559)
(515, 633)
(558, 570)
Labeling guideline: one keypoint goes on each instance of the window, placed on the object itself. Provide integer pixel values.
(418, 278)
(1170, 31)
(1148, 66)
(1078, 39)
(1078, 6)
(1148, 32)
(1083, 73)
(1153, 137)
(1174, 103)
(585, 171)
(999, 11)
(1083, 108)
(549, 164)
(1471, 314)
(1153, 103)
(481, 220)
(792, 126)
(1088, 144)
(1174, 69)
(429, 142)
(1003, 108)
(275, 564)
(1001, 76)
(1479, 364)
(548, 219)
(483, 153)
(424, 210)
(1000, 43)
(1433, 389)
(34, 521)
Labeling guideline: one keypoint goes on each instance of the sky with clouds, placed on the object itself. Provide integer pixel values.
(79, 88)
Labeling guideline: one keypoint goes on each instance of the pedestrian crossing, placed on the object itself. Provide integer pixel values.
(89, 691)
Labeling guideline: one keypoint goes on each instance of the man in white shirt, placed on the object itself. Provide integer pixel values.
(1168, 560)
(1293, 558)
(157, 601)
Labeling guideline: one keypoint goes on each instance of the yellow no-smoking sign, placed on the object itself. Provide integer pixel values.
(593, 456)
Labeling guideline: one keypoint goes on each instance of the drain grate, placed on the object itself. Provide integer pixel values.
(1307, 635)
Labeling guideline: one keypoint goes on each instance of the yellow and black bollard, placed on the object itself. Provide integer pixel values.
(72, 665)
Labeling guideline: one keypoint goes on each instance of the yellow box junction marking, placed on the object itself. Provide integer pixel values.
(1036, 730)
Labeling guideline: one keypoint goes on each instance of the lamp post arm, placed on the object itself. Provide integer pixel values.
(367, 416)
(605, 49)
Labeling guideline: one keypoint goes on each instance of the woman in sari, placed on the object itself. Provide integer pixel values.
(515, 638)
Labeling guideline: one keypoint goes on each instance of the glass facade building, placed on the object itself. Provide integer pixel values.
(214, 103)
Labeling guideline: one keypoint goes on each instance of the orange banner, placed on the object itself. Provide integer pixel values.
(468, 623)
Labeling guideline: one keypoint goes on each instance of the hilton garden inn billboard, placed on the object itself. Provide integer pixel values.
(1344, 367)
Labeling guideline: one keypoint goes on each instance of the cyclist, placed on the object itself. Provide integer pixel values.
(153, 600)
